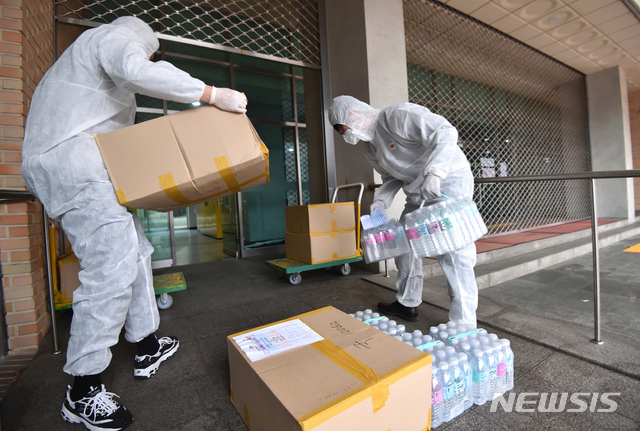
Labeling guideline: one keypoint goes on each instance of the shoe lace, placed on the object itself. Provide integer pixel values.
(101, 404)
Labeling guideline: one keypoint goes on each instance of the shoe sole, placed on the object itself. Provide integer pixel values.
(402, 316)
(73, 418)
(147, 373)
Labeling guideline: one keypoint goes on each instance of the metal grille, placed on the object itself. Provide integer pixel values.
(517, 111)
(285, 29)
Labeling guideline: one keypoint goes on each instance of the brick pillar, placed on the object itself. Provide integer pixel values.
(26, 52)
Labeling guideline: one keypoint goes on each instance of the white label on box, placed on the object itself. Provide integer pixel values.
(275, 339)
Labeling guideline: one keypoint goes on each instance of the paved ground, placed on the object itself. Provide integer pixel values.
(542, 314)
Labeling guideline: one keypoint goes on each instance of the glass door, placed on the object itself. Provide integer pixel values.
(230, 235)
(158, 227)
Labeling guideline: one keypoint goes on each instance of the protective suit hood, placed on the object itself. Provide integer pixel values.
(356, 115)
(138, 31)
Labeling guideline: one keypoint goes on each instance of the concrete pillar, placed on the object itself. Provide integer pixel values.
(610, 136)
(367, 60)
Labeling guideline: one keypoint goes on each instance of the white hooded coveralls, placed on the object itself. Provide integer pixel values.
(91, 90)
(407, 142)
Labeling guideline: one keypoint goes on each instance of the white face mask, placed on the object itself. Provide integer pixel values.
(349, 137)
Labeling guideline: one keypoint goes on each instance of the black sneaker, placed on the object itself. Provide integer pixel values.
(99, 410)
(396, 309)
(146, 365)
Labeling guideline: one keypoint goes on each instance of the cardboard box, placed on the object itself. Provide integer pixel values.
(321, 248)
(320, 233)
(185, 158)
(318, 218)
(68, 267)
(358, 379)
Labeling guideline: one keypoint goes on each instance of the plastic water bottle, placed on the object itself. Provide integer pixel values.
(463, 221)
(433, 331)
(443, 336)
(424, 235)
(435, 229)
(451, 352)
(470, 214)
(506, 348)
(400, 330)
(448, 389)
(371, 250)
(437, 398)
(458, 381)
(479, 378)
(466, 370)
(407, 337)
(442, 327)
(411, 229)
(450, 226)
(492, 367)
(501, 367)
(477, 216)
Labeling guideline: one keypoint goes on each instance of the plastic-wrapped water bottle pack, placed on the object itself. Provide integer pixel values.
(444, 227)
(430, 231)
(385, 241)
(470, 366)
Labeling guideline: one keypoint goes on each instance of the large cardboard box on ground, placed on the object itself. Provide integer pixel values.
(356, 379)
(68, 267)
(185, 158)
(320, 233)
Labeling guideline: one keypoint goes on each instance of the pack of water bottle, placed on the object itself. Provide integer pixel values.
(382, 323)
(470, 366)
(383, 241)
(446, 226)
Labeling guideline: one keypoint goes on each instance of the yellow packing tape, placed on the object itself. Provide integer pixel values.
(362, 372)
(332, 208)
(168, 184)
(333, 232)
(122, 200)
(227, 174)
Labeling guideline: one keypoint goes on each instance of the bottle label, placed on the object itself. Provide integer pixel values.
(434, 227)
(389, 235)
(459, 384)
(469, 213)
(480, 377)
(468, 381)
(446, 223)
(369, 240)
(450, 391)
(423, 230)
(379, 237)
(502, 369)
(493, 373)
(437, 396)
(412, 234)
(373, 319)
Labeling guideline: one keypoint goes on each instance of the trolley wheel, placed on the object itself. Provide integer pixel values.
(295, 278)
(164, 301)
(345, 269)
(280, 273)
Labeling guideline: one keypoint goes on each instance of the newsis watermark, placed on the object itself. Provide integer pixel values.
(545, 402)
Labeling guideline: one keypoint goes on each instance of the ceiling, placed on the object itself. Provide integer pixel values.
(587, 35)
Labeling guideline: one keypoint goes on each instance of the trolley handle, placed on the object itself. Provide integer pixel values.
(335, 192)
(333, 201)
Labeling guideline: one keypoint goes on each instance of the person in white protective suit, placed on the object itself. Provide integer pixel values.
(416, 150)
(88, 91)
